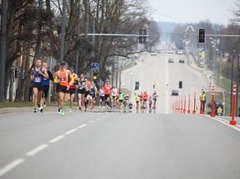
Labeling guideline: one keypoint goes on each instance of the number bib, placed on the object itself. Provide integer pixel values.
(37, 79)
(62, 79)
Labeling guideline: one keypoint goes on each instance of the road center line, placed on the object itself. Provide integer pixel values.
(37, 150)
(82, 126)
(10, 166)
(58, 138)
(71, 131)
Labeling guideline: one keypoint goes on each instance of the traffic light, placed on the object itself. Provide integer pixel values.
(136, 85)
(201, 36)
(140, 32)
(95, 76)
(180, 84)
(142, 39)
(144, 33)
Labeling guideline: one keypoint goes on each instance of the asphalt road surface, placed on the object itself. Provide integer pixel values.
(117, 145)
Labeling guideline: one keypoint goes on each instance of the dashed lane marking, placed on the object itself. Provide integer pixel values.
(37, 150)
(10, 166)
(6, 169)
(56, 139)
(82, 126)
(71, 131)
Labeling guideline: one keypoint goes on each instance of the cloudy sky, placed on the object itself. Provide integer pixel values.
(217, 11)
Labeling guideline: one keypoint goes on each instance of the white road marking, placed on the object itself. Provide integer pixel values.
(82, 126)
(10, 166)
(58, 138)
(225, 122)
(71, 131)
(37, 150)
(91, 121)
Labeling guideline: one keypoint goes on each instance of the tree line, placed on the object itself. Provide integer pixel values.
(34, 29)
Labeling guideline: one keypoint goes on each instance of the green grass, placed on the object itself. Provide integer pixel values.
(15, 104)
(6, 104)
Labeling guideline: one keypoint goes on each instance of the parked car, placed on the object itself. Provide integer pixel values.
(174, 92)
(170, 60)
(181, 61)
(153, 54)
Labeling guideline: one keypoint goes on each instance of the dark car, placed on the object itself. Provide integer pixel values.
(153, 54)
(170, 60)
(174, 92)
(181, 61)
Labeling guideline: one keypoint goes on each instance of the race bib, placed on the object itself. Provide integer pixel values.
(38, 79)
(62, 79)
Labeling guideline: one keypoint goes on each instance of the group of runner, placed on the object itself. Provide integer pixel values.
(69, 83)
(142, 99)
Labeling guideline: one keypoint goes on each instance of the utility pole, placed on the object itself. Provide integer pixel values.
(3, 49)
(63, 30)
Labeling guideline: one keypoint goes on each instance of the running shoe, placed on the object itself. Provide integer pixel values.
(62, 113)
(35, 110)
(80, 108)
(41, 109)
(70, 110)
(44, 104)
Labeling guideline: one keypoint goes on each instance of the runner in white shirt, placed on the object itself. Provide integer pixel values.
(114, 97)
(102, 96)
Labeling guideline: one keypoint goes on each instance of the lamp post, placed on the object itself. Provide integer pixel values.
(63, 30)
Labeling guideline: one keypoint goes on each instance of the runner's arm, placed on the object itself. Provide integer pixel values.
(44, 73)
(50, 75)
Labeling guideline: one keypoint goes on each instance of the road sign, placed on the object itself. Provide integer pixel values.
(95, 66)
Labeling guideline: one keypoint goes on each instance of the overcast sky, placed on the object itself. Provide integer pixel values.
(217, 11)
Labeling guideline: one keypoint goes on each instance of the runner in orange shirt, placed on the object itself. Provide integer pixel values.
(107, 91)
(63, 76)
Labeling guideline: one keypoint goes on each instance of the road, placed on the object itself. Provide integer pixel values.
(167, 76)
(113, 145)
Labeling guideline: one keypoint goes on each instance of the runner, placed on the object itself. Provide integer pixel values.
(137, 99)
(81, 90)
(150, 100)
(87, 94)
(37, 76)
(71, 92)
(46, 83)
(107, 91)
(55, 80)
(102, 96)
(154, 97)
(93, 94)
(63, 76)
(145, 98)
(121, 99)
(114, 97)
